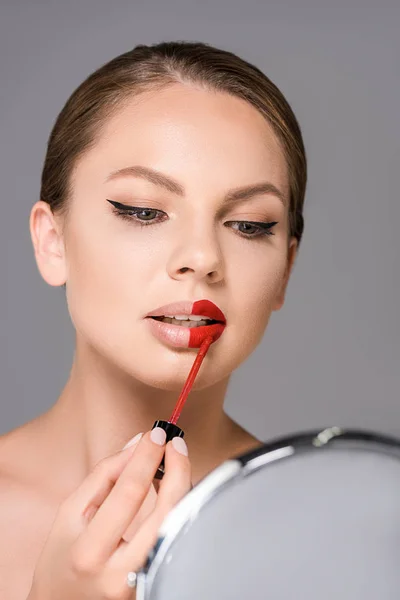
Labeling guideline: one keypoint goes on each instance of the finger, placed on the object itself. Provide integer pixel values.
(145, 510)
(103, 534)
(177, 479)
(175, 484)
(77, 509)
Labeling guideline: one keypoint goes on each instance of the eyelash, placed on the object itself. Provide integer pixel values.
(127, 213)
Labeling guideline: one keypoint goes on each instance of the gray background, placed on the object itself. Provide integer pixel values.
(331, 355)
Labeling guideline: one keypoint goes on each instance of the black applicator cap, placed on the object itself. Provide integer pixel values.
(172, 431)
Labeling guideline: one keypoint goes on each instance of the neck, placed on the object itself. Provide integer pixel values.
(100, 409)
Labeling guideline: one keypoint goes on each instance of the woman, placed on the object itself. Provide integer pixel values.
(175, 172)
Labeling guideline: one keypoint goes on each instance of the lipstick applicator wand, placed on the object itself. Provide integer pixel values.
(170, 427)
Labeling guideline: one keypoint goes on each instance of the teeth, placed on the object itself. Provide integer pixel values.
(188, 317)
(185, 322)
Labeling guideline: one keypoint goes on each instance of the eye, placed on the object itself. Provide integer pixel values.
(144, 216)
(262, 228)
(135, 213)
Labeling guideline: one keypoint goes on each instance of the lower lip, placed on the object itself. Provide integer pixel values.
(180, 336)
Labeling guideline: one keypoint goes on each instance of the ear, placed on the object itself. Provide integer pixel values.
(292, 252)
(48, 244)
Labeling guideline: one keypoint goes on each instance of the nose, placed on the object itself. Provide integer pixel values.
(199, 253)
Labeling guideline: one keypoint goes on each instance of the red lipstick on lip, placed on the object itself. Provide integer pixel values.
(202, 337)
(199, 334)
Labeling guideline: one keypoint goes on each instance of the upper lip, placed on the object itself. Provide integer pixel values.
(184, 307)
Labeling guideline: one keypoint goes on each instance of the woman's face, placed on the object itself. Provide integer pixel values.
(117, 271)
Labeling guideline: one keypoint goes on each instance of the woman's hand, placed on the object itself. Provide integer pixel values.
(85, 556)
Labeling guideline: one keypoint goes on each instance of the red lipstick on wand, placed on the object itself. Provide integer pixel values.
(170, 427)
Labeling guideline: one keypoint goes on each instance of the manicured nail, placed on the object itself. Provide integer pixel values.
(158, 436)
(133, 441)
(180, 445)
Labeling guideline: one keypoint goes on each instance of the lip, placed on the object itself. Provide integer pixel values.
(184, 337)
(187, 307)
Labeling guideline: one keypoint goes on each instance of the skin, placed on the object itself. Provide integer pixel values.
(122, 378)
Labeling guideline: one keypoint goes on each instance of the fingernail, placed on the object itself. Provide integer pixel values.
(158, 436)
(180, 445)
(133, 441)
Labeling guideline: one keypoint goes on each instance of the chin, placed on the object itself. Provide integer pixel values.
(169, 376)
(171, 381)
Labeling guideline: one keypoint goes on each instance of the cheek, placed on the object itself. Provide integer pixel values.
(106, 279)
(257, 281)
(254, 294)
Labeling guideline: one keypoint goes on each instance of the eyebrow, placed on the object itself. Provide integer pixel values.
(157, 178)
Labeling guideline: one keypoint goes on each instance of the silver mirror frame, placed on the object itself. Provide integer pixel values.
(186, 511)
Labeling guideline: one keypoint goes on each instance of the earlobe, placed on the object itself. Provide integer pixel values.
(48, 244)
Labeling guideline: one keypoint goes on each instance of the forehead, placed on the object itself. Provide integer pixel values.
(188, 132)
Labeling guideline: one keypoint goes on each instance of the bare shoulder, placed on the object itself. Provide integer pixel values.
(25, 517)
(20, 491)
